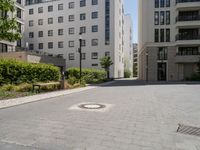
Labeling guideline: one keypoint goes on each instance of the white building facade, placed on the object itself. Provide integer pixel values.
(54, 27)
(169, 39)
(6, 46)
(127, 43)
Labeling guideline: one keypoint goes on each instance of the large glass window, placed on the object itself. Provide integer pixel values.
(162, 3)
(156, 36)
(156, 18)
(167, 35)
(162, 35)
(162, 53)
(167, 17)
(162, 18)
(107, 22)
(167, 3)
(156, 3)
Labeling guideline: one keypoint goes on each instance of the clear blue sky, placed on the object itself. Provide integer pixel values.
(131, 7)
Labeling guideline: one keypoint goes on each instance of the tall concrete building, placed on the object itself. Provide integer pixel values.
(6, 46)
(127, 43)
(53, 26)
(169, 39)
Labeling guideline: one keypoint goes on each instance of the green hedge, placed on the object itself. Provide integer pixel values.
(16, 72)
(89, 75)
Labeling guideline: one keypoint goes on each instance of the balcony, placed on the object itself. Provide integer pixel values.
(184, 4)
(189, 21)
(183, 36)
(193, 58)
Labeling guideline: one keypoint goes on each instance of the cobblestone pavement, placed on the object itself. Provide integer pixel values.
(139, 117)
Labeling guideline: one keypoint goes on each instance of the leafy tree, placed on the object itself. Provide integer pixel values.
(8, 24)
(106, 62)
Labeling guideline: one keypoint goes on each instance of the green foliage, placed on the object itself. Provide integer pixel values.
(88, 75)
(127, 73)
(16, 72)
(106, 62)
(8, 24)
(135, 71)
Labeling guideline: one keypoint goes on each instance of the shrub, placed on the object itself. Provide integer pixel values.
(127, 73)
(16, 72)
(9, 87)
(194, 77)
(25, 87)
(88, 75)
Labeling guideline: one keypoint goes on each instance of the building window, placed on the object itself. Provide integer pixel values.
(188, 51)
(31, 34)
(83, 56)
(162, 3)
(71, 17)
(156, 18)
(50, 45)
(31, 11)
(3, 48)
(40, 34)
(94, 2)
(167, 17)
(40, 46)
(60, 32)
(31, 46)
(60, 6)
(107, 54)
(167, 3)
(40, 10)
(71, 31)
(60, 19)
(83, 43)
(156, 35)
(95, 28)
(162, 18)
(82, 16)
(94, 42)
(71, 43)
(60, 45)
(50, 8)
(162, 53)
(50, 20)
(167, 35)
(156, 3)
(95, 55)
(71, 56)
(162, 35)
(94, 65)
(30, 23)
(40, 22)
(94, 15)
(50, 32)
(107, 22)
(83, 29)
(82, 3)
(71, 5)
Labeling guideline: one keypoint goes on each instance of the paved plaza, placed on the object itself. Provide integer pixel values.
(137, 116)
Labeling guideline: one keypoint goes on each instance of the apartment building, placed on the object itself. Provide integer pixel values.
(169, 39)
(127, 43)
(53, 26)
(6, 46)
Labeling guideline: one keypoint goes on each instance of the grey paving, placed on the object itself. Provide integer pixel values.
(142, 117)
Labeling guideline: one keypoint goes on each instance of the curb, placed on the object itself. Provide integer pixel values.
(39, 97)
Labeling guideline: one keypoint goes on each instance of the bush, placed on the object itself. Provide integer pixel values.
(8, 87)
(88, 75)
(16, 72)
(127, 73)
(25, 87)
(194, 77)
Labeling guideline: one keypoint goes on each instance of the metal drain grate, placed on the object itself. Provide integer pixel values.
(188, 130)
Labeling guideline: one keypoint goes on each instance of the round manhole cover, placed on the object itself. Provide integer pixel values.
(92, 106)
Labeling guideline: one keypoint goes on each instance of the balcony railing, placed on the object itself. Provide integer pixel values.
(188, 54)
(187, 37)
(188, 18)
(186, 1)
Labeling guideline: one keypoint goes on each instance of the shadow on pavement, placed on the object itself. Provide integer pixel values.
(135, 82)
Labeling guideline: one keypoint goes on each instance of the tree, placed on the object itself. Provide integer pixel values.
(8, 24)
(106, 62)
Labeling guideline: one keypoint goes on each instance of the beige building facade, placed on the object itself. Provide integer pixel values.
(169, 39)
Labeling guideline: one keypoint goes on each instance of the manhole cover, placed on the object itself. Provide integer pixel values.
(92, 106)
(188, 130)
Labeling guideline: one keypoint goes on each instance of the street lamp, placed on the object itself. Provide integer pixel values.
(80, 52)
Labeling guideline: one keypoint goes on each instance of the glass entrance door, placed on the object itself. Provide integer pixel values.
(162, 71)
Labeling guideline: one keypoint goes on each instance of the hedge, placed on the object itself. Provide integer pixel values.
(89, 75)
(16, 72)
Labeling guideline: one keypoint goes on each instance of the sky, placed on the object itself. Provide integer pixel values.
(130, 7)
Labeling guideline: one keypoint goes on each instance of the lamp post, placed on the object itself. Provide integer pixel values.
(80, 52)
(147, 68)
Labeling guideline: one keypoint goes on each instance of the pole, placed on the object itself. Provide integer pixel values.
(147, 69)
(80, 41)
